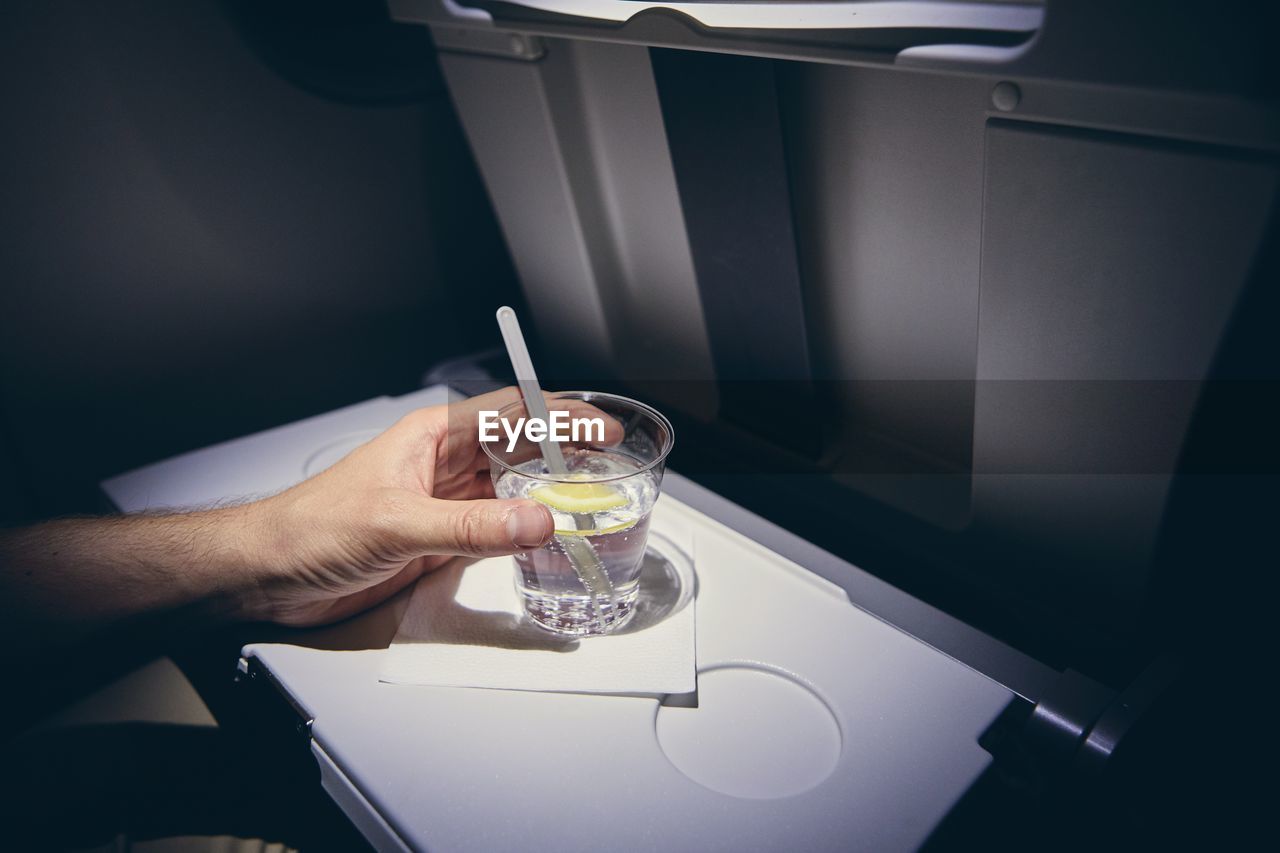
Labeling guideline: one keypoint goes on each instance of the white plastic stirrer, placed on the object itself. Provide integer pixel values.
(584, 559)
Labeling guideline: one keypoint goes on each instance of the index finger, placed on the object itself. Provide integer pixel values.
(464, 420)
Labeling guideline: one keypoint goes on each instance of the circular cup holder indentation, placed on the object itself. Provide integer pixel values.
(335, 450)
(755, 733)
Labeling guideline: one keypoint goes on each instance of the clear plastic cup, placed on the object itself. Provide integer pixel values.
(585, 581)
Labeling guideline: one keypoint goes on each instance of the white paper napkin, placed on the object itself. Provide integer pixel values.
(465, 627)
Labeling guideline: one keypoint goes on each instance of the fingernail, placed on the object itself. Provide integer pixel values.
(529, 526)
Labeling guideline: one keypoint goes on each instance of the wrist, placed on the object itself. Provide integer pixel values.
(255, 544)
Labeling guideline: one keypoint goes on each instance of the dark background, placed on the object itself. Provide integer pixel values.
(217, 217)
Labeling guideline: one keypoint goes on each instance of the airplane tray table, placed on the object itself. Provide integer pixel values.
(817, 724)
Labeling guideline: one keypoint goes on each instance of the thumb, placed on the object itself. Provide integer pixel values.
(483, 528)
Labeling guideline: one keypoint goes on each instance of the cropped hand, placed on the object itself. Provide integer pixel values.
(398, 506)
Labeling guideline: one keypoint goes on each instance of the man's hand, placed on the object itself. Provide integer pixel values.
(394, 508)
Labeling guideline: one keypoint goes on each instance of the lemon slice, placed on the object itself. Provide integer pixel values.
(579, 498)
(603, 531)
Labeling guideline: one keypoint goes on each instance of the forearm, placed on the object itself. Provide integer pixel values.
(74, 576)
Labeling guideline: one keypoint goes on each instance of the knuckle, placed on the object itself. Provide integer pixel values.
(471, 530)
(421, 422)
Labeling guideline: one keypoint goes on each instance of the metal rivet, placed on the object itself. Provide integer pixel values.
(1005, 96)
